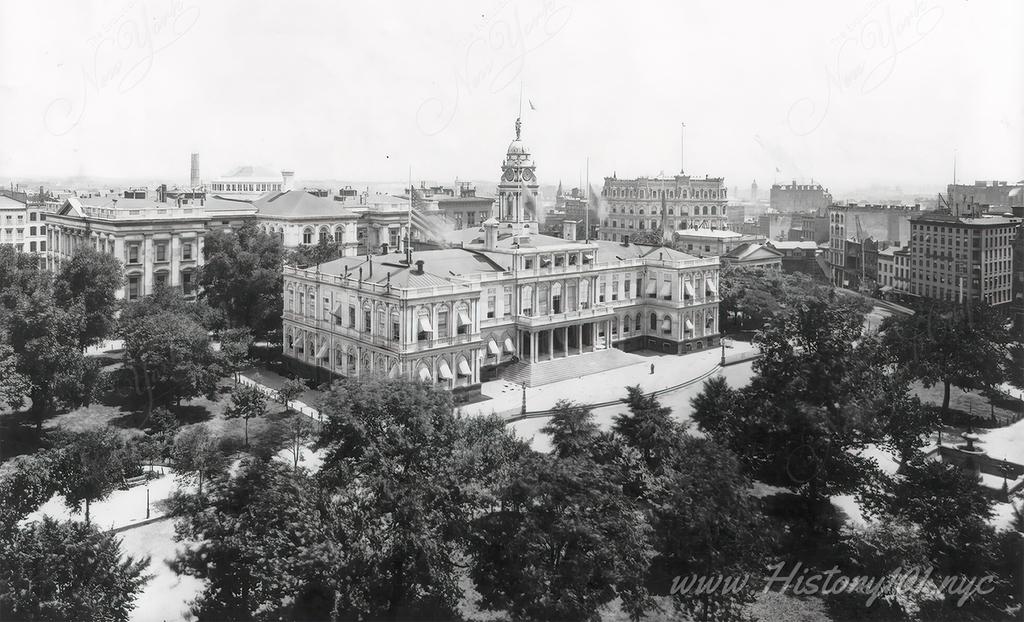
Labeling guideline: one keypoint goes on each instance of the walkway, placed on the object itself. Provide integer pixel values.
(506, 399)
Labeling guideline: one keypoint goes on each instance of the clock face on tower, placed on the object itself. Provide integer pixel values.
(509, 175)
(527, 175)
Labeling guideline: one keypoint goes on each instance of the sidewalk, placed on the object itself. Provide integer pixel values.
(123, 508)
(270, 382)
(669, 371)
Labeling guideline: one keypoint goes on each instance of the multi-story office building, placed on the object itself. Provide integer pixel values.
(23, 221)
(852, 224)
(711, 242)
(159, 242)
(799, 197)
(503, 296)
(962, 257)
(661, 204)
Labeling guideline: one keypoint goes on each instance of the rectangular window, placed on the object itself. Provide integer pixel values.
(615, 289)
(133, 253)
(381, 323)
(528, 263)
(367, 321)
(442, 323)
(133, 288)
(327, 308)
(186, 251)
(351, 316)
(395, 330)
(161, 251)
(627, 284)
(186, 283)
(161, 279)
(492, 302)
(507, 311)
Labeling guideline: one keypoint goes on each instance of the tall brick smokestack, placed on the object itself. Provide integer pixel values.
(195, 180)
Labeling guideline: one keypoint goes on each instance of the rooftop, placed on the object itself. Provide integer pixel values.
(299, 203)
(808, 245)
(721, 234)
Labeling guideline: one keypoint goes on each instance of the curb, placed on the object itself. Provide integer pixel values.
(141, 523)
(547, 413)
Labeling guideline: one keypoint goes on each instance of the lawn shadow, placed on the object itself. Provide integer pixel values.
(191, 413)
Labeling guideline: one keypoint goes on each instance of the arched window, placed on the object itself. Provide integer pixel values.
(307, 235)
(666, 325)
(542, 299)
(325, 235)
(654, 321)
(339, 234)
(291, 300)
(312, 305)
(584, 294)
(442, 322)
(637, 323)
(291, 340)
(556, 298)
(302, 303)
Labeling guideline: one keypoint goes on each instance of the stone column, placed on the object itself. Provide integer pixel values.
(565, 342)
(551, 344)
(147, 255)
(174, 279)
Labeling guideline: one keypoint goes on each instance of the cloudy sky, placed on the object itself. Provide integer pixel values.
(862, 93)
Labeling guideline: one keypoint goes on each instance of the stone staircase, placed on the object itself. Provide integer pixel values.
(537, 374)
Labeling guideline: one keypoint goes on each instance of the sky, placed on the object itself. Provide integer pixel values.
(875, 92)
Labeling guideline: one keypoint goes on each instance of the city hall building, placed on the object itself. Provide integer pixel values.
(500, 297)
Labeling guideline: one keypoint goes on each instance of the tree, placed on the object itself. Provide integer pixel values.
(821, 393)
(313, 254)
(67, 571)
(290, 391)
(395, 469)
(196, 456)
(262, 544)
(945, 342)
(91, 279)
(563, 542)
(247, 402)
(235, 344)
(14, 386)
(242, 277)
(89, 466)
(705, 524)
(167, 354)
(26, 483)
(45, 339)
(649, 428)
(572, 429)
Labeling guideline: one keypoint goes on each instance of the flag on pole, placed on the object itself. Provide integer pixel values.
(532, 107)
(777, 170)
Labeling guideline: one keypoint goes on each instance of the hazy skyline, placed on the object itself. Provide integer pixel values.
(877, 92)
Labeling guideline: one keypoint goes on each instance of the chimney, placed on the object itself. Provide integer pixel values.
(287, 180)
(625, 240)
(490, 234)
(162, 193)
(569, 230)
(419, 266)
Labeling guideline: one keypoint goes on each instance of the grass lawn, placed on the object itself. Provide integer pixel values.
(963, 404)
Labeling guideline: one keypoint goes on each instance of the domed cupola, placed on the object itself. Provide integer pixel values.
(518, 188)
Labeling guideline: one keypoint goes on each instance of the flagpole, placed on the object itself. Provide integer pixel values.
(682, 149)
(408, 239)
(586, 206)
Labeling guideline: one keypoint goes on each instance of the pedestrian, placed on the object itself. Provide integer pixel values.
(652, 369)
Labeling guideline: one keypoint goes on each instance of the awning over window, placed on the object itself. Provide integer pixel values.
(688, 288)
(424, 324)
(393, 373)
(443, 371)
(666, 324)
(464, 369)
(321, 352)
(492, 348)
(464, 319)
(509, 348)
(652, 287)
(424, 374)
(710, 288)
(588, 257)
(666, 290)
(689, 326)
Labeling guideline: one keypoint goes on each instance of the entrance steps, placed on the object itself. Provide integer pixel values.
(566, 368)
